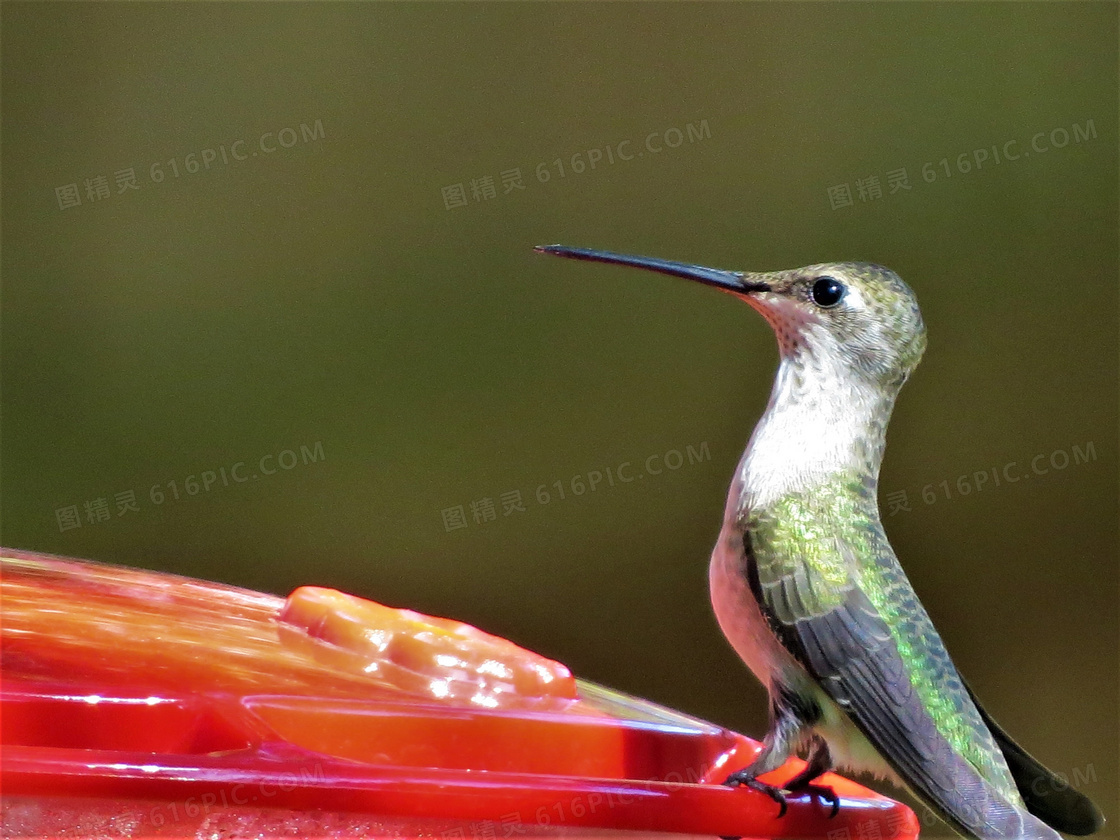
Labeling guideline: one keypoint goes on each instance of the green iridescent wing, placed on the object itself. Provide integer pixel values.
(875, 652)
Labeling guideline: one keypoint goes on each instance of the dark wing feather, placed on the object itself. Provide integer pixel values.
(850, 650)
(1047, 796)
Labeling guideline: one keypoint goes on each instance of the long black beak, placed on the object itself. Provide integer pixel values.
(729, 281)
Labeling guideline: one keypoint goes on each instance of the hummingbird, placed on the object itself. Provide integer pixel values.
(807, 589)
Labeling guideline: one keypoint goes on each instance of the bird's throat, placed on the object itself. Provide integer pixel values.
(818, 425)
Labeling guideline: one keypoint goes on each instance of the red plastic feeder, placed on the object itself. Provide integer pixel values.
(140, 704)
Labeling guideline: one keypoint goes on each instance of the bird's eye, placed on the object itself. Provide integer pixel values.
(828, 292)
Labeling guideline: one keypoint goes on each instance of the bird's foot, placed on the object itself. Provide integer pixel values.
(827, 794)
(742, 777)
(823, 791)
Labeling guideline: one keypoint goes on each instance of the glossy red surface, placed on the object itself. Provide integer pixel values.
(139, 704)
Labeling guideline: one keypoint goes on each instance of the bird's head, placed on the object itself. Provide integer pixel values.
(850, 318)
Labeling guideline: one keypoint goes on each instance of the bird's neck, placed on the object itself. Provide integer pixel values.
(821, 424)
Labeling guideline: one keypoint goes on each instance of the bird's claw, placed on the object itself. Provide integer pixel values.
(747, 780)
(779, 794)
(825, 793)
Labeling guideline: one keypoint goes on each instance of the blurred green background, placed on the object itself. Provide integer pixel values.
(363, 279)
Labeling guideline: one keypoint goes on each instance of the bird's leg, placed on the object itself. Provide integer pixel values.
(785, 730)
(818, 763)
